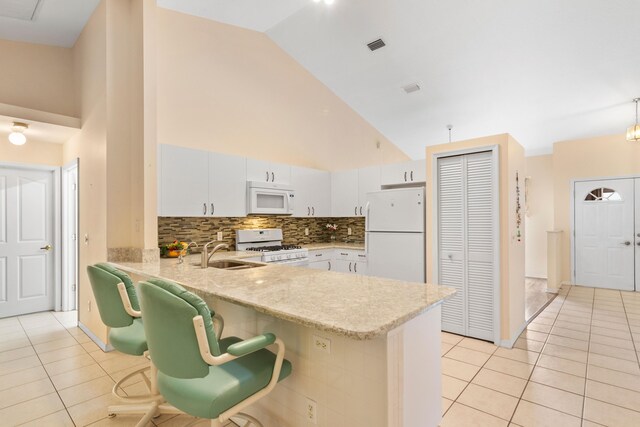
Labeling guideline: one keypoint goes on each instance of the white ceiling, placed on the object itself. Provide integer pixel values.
(542, 70)
(55, 22)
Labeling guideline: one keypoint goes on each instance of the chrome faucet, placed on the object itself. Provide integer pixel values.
(206, 256)
(180, 257)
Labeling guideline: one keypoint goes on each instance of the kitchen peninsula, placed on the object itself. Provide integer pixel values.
(365, 350)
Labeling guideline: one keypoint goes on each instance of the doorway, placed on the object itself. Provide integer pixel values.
(28, 239)
(607, 233)
(69, 187)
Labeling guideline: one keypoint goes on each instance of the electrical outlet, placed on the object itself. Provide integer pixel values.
(306, 231)
(219, 235)
(311, 411)
(322, 344)
(349, 231)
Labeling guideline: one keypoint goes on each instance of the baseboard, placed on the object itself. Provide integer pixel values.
(94, 338)
(509, 343)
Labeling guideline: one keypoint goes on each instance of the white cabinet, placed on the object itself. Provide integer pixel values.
(350, 261)
(313, 192)
(404, 173)
(200, 183)
(227, 185)
(368, 180)
(263, 171)
(320, 265)
(184, 181)
(344, 193)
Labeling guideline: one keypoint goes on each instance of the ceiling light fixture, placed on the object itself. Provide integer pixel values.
(17, 137)
(633, 132)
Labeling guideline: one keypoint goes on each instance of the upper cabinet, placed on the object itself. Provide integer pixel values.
(227, 185)
(313, 192)
(200, 183)
(404, 173)
(184, 181)
(263, 171)
(349, 190)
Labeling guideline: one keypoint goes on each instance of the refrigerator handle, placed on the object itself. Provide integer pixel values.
(366, 228)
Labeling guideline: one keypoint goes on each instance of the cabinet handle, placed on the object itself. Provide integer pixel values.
(329, 265)
(204, 210)
(308, 211)
(267, 176)
(355, 210)
(273, 177)
(411, 175)
(318, 254)
(360, 210)
(349, 266)
(313, 211)
(343, 254)
(213, 209)
(405, 176)
(355, 267)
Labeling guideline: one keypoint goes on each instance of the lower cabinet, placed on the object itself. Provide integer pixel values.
(340, 260)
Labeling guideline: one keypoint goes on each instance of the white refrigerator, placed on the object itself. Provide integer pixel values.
(395, 234)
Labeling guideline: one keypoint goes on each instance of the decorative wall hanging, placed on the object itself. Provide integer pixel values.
(518, 213)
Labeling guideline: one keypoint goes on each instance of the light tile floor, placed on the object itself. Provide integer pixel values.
(536, 296)
(52, 374)
(576, 364)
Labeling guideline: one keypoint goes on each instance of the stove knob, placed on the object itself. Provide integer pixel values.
(279, 257)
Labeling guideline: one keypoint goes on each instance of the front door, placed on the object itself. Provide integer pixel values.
(26, 233)
(604, 233)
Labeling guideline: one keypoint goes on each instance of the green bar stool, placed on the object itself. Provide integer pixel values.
(119, 309)
(197, 373)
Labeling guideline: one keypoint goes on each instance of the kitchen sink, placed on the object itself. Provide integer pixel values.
(226, 264)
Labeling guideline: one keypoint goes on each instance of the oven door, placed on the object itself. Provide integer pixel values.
(264, 201)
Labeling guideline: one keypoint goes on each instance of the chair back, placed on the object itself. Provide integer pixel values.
(168, 311)
(124, 278)
(105, 291)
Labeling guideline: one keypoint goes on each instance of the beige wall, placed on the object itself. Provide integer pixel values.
(232, 90)
(599, 157)
(511, 158)
(90, 145)
(34, 152)
(539, 213)
(38, 77)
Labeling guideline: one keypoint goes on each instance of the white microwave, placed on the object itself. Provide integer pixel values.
(267, 198)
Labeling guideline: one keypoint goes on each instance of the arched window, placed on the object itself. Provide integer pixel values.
(603, 195)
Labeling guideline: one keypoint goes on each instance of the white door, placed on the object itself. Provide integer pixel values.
(184, 181)
(302, 179)
(604, 233)
(467, 244)
(26, 236)
(227, 185)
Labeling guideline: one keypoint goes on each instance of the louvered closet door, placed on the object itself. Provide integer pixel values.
(451, 241)
(480, 232)
(465, 242)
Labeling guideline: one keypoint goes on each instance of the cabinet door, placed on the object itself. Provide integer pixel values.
(344, 193)
(227, 185)
(393, 174)
(321, 202)
(263, 171)
(368, 180)
(302, 181)
(360, 267)
(342, 266)
(258, 170)
(417, 170)
(184, 181)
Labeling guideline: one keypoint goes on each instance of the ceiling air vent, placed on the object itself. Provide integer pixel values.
(19, 9)
(413, 87)
(376, 44)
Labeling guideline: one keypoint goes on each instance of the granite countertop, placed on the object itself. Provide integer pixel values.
(357, 307)
(334, 245)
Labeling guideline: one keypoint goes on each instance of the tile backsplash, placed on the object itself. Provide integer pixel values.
(203, 229)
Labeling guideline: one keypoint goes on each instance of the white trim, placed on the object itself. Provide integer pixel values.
(94, 338)
(509, 343)
(28, 166)
(57, 253)
(495, 154)
(67, 243)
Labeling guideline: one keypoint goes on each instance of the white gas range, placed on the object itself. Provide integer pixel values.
(268, 241)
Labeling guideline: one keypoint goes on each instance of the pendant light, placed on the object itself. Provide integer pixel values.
(633, 132)
(17, 137)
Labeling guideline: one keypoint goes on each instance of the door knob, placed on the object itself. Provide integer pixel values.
(627, 243)
(46, 248)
